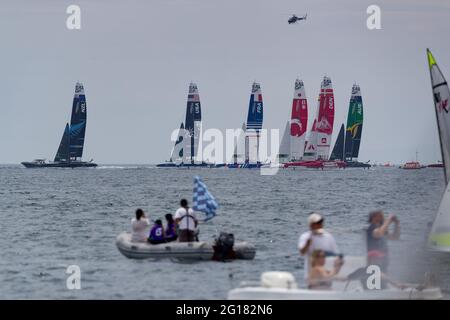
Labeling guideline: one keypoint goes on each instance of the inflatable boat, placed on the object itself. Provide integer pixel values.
(199, 250)
(276, 285)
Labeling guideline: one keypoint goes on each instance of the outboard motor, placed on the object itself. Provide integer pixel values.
(223, 248)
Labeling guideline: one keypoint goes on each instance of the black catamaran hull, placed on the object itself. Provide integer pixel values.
(193, 165)
(356, 164)
(59, 165)
(167, 165)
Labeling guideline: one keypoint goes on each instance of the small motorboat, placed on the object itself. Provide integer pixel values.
(199, 250)
(277, 285)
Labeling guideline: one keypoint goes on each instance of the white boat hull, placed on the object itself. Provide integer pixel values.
(260, 293)
(341, 290)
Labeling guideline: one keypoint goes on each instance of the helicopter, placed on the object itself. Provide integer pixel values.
(294, 19)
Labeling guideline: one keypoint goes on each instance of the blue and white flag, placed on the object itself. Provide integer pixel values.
(203, 201)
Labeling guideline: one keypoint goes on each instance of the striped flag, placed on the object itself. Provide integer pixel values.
(203, 201)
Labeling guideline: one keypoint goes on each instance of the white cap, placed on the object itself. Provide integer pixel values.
(314, 218)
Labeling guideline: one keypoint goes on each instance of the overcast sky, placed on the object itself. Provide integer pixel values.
(136, 59)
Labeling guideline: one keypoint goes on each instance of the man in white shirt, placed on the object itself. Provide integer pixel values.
(317, 238)
(187, 222)
(139, 227)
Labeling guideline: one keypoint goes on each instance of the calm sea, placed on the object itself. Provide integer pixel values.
(53, 218)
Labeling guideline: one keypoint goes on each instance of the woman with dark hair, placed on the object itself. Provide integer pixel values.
(139, 226)
(171, 232)
(157, 234)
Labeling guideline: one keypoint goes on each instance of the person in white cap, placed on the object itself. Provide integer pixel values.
(317, 238)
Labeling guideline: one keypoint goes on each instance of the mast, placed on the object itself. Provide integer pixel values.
(254, 124)
(325, 119)
(299, 121)
(77, 124)
(354, 124)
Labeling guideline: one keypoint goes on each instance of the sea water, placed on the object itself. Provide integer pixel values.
(55, 218)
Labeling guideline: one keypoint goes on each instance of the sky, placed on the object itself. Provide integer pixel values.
(137, 57)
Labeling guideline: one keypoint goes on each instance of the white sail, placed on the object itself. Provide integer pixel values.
(285, 145)
(441, 95)
(239, 146)
(311, 144)
(439, 238)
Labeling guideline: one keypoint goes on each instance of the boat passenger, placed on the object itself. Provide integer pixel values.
(157, 234)
(377, 236)
(139, 226)
(317, 238)
(171, 232)
(319, 278)
(186, 221)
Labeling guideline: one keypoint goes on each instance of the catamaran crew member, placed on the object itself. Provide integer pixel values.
(139, 226)
(187, 222)
(317, 238)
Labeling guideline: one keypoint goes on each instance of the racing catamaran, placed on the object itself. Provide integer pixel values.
(193, 130)
(346, 147)
(317, 148)
(70, 150)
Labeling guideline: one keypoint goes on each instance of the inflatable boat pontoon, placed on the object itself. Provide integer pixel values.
(200, 250)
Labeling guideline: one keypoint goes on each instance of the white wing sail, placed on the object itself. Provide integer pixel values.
(439, 238)
(285, 145)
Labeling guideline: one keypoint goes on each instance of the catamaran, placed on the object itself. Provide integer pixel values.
(253, 128)
(346, 147)
(439, 238)
(193, 130)
(186, 149)
(70, 149)
(317, 148)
